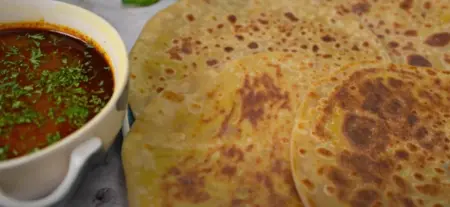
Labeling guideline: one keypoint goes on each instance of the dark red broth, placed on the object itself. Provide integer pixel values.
(51, 84)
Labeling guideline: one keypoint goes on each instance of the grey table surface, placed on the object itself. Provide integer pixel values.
(103, 184)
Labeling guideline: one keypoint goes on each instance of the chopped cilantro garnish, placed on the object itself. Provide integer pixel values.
(60, 120)
(27, 116)
(36, 36)
(12, 51)
(79, 91)
(36, 54)
(28, 88)
(77, 114)
(51, 113)
(17, 104)
(34, 95)
(52, 138)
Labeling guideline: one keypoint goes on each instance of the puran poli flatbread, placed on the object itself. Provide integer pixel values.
(379, 137)
(227, 144)
(193, 36)
(415, 32)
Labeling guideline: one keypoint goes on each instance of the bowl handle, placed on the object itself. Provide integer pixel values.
(79, 157)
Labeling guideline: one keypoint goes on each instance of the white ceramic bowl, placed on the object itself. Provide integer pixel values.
(44, 177)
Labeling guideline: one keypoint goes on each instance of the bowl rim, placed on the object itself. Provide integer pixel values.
(120, 85)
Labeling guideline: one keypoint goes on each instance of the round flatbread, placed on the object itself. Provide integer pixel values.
(377, 136)
(194, 36)
(415, 32)
(226, 144)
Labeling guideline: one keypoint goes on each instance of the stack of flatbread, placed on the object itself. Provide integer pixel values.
(291, 103)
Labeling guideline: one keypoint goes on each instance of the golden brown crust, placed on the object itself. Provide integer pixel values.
(387, 128)
(206, 35)
(231, 151)
(415, 32)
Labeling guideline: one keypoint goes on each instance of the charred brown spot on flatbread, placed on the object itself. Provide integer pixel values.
(408, 202)
(325, 152)
(418, 60)
(228, 49)
(364, 197)
(447, 58)
(266, 181)
(258, 92)
(172, 96)
(402, 154)
(232, 19)
(360, 131)
(393, 44)
(229, 170)
(253, 45)
(406, 4)
(212, 62)
(338, 177)
(438, 39)
(361, 8)
(190, 17)
(328, 38)
(427, 5)
(412, 33)
(429, 189)
(308, 184)
(181, 48)
(240, 37)
(291, 16)
(315, 48)
(233, 153)
(395, 83)
(188, 187)
(365, 167)
(400, 182)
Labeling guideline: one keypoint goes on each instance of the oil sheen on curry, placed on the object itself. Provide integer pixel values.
(51, 84)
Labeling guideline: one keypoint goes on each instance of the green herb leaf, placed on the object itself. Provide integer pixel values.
(12, 51)
(17, 104)
(36, 36)
(139, 2)
(36, 53)
(77, 114)
(51, 113)
(52, 138)
(60, 120)
(28, 88)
